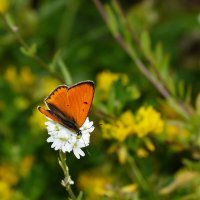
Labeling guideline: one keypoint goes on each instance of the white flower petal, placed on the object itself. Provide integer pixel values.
(78, 152)
(50, 139)
(91, 129)
(67, 147)
(66, 140)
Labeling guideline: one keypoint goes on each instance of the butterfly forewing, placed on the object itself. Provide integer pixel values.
(74, 102)
(80, 98)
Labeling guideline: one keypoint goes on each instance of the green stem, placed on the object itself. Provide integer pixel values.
(66, 181)
(141, 180)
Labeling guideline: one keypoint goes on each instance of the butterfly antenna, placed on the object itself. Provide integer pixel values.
(86, 147)
(99, 124)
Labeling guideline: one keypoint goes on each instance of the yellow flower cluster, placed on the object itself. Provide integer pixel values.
(129, 188)
(4, 5)
(96, 186)
(21, 80)
(146, 121)
(5, 191)
(26, 165)
(105, 79)
(101, 185)
(37, 120)
(24, 80)
(8, 178)
(121, 128)
(176, 132)
(8, 174)
(45, 86)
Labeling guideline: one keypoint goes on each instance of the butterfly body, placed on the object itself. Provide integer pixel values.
(70, 106)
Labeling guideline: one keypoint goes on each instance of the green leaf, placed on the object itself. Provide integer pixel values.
(24, 51)
(133, 92)
(164, 70)
(112, 21)
(158, 55)
(80, 196)
(65, 72)
(57, 63)
(31, 51)
(181, 89)
(123, 29)
(146, 44)
(10, 21)
(53, 64)
(188, 94)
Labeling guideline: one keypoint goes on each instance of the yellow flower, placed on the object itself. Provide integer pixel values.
(21, 102)
(21, 80)
(142, 153)
(150, 146)
(148, 121)
(176, 132)
(95, 184)
(122, 155)
(128, 119)
(11, 74)
(37, 120)
(115, 131)
(5, 191)
(105, 80)
(26, 165)
(119, 129)
(26, 76)
(8, 174)
(129, 188)
(4, 5)
(45, 86)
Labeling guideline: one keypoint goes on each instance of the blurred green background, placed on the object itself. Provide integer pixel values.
(67, 41)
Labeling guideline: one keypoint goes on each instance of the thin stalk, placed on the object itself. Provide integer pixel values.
(140, 178)
(67, 179)
(138, 43)
(15, 31)
(138, 175)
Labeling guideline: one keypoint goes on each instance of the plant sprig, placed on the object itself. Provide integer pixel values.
(123, 31)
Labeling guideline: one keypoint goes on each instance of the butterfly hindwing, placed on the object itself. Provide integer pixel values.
(49, 114)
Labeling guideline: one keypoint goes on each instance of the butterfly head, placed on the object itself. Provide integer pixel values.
(79, 134)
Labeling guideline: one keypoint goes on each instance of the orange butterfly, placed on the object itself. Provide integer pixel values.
(70, 106)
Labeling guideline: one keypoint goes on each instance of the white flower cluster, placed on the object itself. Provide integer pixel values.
(66, 140)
